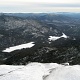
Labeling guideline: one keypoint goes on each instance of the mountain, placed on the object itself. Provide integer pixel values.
(21, 28)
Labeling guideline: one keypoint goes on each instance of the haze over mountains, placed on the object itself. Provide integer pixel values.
(22, 28)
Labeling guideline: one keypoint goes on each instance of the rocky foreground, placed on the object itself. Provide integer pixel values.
(39, 71)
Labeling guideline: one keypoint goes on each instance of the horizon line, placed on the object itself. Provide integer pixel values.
(43, 12)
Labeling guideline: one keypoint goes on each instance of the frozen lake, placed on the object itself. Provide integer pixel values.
(54, 38)
(19, 47)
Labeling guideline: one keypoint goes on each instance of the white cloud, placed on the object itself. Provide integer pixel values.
(40, 1)
(39, 5)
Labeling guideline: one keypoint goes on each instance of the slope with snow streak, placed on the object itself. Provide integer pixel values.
(18, 47)
(39, 71)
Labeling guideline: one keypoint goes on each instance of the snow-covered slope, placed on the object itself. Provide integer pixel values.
(39, 71)
(65, 73)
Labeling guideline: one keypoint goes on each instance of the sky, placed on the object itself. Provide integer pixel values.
(36, 6)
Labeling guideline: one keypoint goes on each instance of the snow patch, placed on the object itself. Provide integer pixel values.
(18, 47)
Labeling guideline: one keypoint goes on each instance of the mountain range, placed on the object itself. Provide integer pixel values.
(22, 28)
